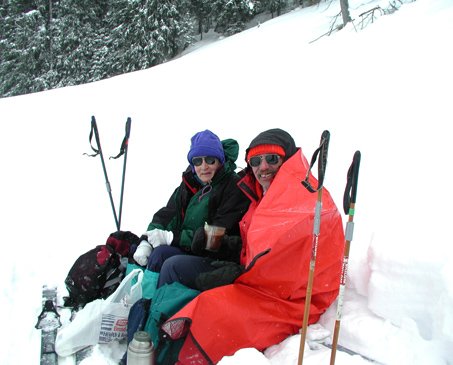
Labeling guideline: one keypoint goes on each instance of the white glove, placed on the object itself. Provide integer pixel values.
(142, 253)
(159, 237)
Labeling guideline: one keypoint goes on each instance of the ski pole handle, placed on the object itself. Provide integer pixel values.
(125, 142)
(325, 139)
(128, 127)
(94, 131)
(350, 192)
(94, 127)
(322, 151)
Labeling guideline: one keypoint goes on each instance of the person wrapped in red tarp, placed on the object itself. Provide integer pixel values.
(265, 304)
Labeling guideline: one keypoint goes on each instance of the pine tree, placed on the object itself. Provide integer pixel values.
(75, 38)
(145, 33)
(276, 7)
(232, 15)
(23, 50)
(202, 10)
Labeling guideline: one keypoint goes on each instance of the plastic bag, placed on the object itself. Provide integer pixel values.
(103, 320)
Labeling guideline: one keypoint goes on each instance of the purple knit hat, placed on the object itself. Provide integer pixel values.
(206, 143)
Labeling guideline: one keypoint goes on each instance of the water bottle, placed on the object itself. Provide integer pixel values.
(140, 350)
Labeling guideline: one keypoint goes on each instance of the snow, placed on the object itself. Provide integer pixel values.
(384, 90)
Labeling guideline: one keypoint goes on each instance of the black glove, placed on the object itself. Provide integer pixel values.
(198, 241)
(224, 273)
(234, 243)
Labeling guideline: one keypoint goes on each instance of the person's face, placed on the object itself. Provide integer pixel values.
(265, 167)
(206, 167)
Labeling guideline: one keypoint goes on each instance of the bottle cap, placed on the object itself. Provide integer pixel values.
(142, 336)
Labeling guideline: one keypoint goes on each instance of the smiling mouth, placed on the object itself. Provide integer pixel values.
(266, 176)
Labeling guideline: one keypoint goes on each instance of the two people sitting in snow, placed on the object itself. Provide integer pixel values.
(251, 291)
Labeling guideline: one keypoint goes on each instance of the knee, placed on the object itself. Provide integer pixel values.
(156, 259)
(161, 254)
(170, 271)
(170, 263)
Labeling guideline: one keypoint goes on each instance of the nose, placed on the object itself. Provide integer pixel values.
(263, 164)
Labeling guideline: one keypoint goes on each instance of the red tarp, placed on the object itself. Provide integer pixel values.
(265, 305)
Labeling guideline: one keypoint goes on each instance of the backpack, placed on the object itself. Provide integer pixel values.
(98, 272)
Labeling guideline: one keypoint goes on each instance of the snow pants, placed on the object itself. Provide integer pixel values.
(184, 269)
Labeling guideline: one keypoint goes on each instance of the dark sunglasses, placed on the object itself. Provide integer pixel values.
(270, 159)
(197, 161)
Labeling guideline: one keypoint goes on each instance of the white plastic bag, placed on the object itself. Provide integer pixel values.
(101, 321)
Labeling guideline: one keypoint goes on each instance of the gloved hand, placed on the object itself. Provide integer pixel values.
(198, 241)
(159, 237)
(142, 253)
(224, 273)
(230, 246)
(234, 243)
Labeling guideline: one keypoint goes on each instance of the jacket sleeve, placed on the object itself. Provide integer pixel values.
(167, 218)
(228, 207)
(226, 210)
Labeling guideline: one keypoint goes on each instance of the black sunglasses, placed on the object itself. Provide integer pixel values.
(197, 161)
(270, 159)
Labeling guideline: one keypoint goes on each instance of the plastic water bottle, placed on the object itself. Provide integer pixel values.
(140, 350)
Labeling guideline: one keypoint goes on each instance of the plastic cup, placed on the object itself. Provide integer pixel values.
(214, 236)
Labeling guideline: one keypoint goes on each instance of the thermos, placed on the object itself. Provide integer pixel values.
(140, 350)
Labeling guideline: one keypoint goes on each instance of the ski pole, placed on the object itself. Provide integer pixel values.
(123, 150)
(98, 151)
(349, 199)
(322, 162)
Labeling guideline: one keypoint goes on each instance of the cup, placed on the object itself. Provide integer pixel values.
(214, 236)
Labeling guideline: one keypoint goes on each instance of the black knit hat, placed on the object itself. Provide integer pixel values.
(275, 136)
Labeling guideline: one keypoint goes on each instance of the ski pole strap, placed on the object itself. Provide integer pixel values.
(350, 192)
(94, 131)
(125, 142)
(322, 162)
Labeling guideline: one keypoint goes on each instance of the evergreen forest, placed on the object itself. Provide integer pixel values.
(46, 44)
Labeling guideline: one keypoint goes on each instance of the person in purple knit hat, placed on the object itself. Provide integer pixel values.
(208, 194)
